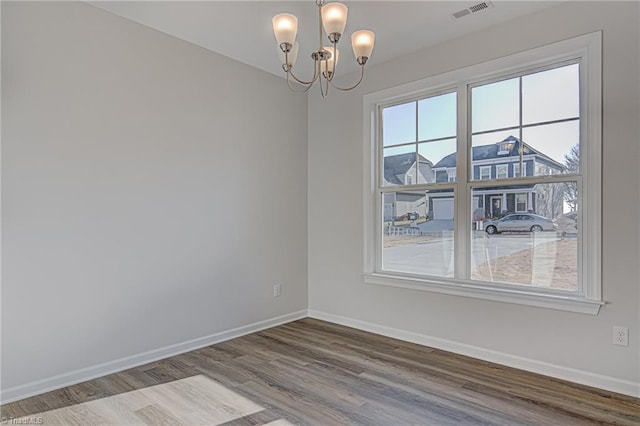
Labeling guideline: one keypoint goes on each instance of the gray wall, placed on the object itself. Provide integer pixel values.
(567, 340)
(150, 192)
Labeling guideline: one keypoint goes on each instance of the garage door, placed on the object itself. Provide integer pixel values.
(443, 209)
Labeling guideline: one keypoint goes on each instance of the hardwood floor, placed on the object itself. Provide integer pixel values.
(314, 372)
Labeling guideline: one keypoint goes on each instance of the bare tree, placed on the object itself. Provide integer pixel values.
(572, 162)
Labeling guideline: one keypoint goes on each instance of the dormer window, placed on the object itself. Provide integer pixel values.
(505, 148)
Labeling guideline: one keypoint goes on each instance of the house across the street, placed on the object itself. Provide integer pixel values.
(401, 170)
(500, 161)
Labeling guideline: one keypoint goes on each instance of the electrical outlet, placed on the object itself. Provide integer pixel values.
(276, 290)
(621, 336)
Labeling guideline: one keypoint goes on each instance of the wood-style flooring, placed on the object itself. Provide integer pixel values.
(318, 373)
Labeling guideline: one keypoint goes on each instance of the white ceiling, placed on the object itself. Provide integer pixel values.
(242, 29)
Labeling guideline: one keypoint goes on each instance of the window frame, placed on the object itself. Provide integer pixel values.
(587, 50)
(504, 167)
(451, 174)
(522, 171)
(480, 169)
(526, 202)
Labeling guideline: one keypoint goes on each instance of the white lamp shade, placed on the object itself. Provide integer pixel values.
(334, 18)
(362, 42)
(330, 64)
(285, 28)
(293, 55)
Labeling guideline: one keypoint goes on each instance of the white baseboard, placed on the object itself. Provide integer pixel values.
(67, 379)
(613, 384)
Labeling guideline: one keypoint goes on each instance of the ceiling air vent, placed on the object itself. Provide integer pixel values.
(472, 9)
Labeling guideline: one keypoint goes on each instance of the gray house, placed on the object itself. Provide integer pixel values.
(406, 169)
(499, 161)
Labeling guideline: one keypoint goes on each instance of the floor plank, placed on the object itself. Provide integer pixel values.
(318, 373)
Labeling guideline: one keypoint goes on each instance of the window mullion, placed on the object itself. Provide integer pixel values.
(462, 219)
(417, 163)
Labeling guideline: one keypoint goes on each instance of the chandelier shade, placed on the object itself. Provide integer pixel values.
(362, 43)
(285, 28)
(334, 18)
(332, 21)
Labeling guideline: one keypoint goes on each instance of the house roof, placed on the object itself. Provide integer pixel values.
(485, 152)
(395, 165)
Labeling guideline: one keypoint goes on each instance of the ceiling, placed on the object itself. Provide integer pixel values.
(242, 29)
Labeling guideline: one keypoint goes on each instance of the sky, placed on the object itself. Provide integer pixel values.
(546, 96)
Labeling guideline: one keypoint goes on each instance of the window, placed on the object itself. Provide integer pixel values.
(540, 107)
(516, 170)
(485, 172)
(521, 202)
(413, 134)
(431, 145)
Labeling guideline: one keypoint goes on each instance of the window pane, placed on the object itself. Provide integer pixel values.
(517, 169)
(399, 124)
(437, 117)
(418, 232)
(502, 171)
(485, 172)
(492, 149)
(493, 137)
(399, 165)
(495, 105)
(526, 234)
(440, 157)
(551, 95)
(559, 143)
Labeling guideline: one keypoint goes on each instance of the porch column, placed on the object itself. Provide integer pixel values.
(504, 202)
(529, 203)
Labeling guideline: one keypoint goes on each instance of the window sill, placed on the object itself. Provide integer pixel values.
(466, 289)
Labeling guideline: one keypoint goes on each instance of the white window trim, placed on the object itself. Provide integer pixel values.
(523, 172)
(526, 202)
(451, 173)
(480, 169)
(589, 49)
(504, 167)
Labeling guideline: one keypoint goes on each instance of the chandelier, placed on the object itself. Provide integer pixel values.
(333, 17)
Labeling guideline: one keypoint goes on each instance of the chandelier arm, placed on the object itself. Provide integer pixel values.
(326, 86)
(323, 92)
(315, 77)
(297, 91)
(344, 89)
(290, 71)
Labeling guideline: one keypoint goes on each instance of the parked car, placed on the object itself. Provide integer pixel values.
(520, 222)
